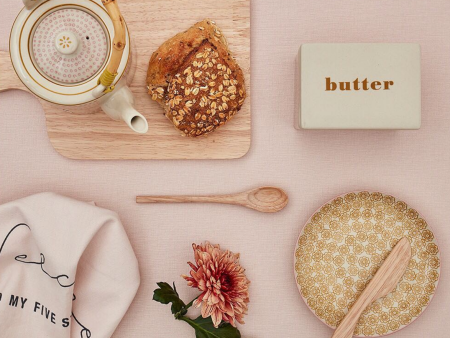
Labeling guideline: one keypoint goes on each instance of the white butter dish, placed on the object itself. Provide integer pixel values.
(359, 86)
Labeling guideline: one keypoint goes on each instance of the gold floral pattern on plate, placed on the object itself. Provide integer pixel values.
(342, 246)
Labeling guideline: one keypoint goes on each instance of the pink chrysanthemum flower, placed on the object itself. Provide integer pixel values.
(222, 280)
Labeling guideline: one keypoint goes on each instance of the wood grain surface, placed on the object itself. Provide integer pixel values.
(264, 199)
(384, 282)
(94, 136)
(8, 78)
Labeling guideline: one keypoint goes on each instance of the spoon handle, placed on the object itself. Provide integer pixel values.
(222, 199)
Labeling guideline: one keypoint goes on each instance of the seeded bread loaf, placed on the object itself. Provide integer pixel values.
(196, 80)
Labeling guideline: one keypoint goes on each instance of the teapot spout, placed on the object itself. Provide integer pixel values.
(120, 106)
(135, 121)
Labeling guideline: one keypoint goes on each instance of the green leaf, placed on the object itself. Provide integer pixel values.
(204, 328)
(166, 295)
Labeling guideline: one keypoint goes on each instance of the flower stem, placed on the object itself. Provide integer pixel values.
(190, 304)
(188, 320)
(179, 315)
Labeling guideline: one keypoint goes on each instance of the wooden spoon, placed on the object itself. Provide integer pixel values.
(384, 281)
(265, 199)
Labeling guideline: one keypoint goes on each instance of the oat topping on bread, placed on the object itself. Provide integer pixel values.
(195, 79)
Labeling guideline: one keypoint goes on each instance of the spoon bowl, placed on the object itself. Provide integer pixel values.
(266, 199)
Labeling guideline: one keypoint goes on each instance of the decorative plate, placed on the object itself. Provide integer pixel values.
(341, 248)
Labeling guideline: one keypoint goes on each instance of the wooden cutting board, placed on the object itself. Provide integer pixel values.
(94, 136)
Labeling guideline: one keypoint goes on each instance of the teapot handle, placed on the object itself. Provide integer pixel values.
(107, 78)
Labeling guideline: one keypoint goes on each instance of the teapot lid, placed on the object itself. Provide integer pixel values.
(69, 46)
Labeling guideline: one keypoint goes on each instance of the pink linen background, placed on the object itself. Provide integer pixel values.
(312, 166)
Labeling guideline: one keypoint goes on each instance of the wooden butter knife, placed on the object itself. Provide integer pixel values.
(384, 281)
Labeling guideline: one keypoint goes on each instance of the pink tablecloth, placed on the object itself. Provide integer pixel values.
(312, 166)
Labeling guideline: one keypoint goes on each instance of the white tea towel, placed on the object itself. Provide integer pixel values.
(67, 269)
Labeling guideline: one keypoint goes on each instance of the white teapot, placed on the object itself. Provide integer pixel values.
(76, 54)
